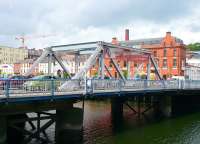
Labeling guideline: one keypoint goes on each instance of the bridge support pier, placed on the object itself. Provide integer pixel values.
(164, 106)
(69, 125)
(117, 109)
(185, 103)
(3, 130)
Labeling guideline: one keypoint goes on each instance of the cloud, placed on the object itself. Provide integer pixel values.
(87, 20)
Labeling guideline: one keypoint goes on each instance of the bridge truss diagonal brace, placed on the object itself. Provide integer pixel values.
(148, 68)
(116, 66)
(59, 60)
(156, 67)
(108, 70)
(40, 59)
(47, 53)
(89, 63)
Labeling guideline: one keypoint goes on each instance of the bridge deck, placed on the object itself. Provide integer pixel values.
(49, 90)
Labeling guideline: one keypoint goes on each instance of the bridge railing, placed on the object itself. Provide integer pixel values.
(142, 85)
(96, 85)
(190, 84)
(129, 85)
(52, 87)
(38, 87)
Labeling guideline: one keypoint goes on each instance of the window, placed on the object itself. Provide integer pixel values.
(157, 62)
(174, 63)
(155, 53)
(183, 63)
(115, 74)
(165, 52)
(118, 62)
(165, 63)
(110, 64)
(175, 52)
(135, 65)
(125, 64)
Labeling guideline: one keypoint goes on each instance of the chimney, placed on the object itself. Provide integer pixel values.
(114, 41)
(126, 34)
(168, 33)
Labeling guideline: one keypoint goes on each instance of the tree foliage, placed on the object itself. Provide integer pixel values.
(194, 47)
(125, 73)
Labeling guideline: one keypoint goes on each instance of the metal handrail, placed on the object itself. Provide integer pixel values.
(50, 87)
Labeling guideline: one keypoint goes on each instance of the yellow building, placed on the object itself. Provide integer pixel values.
(10, 55)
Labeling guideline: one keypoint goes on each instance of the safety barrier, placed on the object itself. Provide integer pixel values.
(52, 87)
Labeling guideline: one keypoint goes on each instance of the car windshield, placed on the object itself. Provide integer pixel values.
(17, 77)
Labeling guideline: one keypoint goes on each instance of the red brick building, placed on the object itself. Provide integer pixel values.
(169, 52)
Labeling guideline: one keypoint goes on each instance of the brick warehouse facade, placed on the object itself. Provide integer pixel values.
(169, 52)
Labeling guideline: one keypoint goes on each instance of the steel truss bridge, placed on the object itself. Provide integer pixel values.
(82, 84)
(21, 97)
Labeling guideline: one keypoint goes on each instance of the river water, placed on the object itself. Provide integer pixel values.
(99, 128)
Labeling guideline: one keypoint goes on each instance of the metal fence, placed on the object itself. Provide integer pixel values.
(52, 87)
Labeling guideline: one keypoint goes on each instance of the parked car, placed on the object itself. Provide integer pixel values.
(41, 82)
(12, 82)
(178, 78)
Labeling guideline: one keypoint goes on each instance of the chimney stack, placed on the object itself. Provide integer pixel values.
(168, 33)
(114, 41)
(127, 35)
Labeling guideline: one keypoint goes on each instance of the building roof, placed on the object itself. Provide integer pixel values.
(5, 47)
(31, 61)
(147, 41)
(35, 52)
(26, 61)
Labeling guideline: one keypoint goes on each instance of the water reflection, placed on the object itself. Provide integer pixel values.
(99, 128)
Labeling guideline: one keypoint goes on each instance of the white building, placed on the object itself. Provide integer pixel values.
(23, 66)
(7, 69)
(192, 70)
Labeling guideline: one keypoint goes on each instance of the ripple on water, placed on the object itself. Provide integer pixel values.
(98, 128)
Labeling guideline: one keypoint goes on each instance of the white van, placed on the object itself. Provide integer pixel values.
(178, 78)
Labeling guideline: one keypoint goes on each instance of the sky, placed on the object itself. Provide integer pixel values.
(53, 22)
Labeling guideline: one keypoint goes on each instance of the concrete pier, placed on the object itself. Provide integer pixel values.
(165, 105)
(117, 110)
(185, 103)
(3, 130)
(69, 125)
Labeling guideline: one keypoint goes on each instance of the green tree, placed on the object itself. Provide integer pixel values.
(65, 75)
(41, 73)
(125, 73)
(194, 47)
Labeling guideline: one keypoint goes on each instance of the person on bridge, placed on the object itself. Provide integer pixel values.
(59, 73)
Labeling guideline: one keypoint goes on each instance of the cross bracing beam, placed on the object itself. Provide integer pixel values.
(108, 70)
(156, 68)
(62, 65)
(115, 65)
(89, 63)
(89, 46)
(47, 53)
(139, 50)
(118, 69)
(40, 59)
